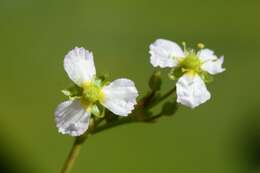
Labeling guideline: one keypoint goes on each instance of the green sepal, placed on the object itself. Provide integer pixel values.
(206, 77)
(155, 81)
(97, 82)
(73, 91)
(98, 110)
(176, 73)
(102, 80)
(169, 108)
(104, 77)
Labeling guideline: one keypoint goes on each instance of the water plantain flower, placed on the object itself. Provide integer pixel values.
(92, 94)
(192, 69)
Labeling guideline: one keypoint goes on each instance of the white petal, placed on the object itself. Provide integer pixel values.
(214, 66)
(206, 55)
(120, 96)
(71, 118)
(79, 65)
(165, 53)
(191, 91)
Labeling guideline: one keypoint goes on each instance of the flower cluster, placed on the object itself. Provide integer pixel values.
(191, 69)
(91, 95)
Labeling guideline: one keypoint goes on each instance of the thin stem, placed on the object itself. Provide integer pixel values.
(112, 124)
(129, 119)
(151, 119)
(163, 97)
(74, 152)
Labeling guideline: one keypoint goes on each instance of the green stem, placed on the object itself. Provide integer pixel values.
(113, 124)
(129, 119)
(162, 98)
(74, 152)
(151, 119)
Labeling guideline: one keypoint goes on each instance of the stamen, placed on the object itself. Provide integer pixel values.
(92, 92)
(184, 46)
(201, 45)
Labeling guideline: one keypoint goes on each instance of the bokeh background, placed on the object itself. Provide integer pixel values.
(222, 135)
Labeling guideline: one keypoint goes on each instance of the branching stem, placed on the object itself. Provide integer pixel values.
(74, 152)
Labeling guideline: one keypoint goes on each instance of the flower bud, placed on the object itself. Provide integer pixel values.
(169, 108)
(155, 81)
(98, 110)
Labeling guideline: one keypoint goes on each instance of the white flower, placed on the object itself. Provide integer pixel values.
(191, 91)
(165, 53)
(190, 68)
(73, 116)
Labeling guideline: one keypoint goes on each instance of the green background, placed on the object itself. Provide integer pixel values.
(222, 135)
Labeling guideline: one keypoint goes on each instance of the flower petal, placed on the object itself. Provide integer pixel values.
(79, 65)
(214, 66)
(120, 96)
(191, 91)
(165, 53)
(71, 118)
(206, 55)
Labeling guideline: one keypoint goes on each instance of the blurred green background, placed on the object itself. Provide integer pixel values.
(222, 135)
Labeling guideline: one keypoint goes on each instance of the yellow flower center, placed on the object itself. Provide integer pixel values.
(92, 93)
(191, 64)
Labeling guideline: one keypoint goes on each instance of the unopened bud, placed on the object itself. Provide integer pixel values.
(169, 108)
(155, 81)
